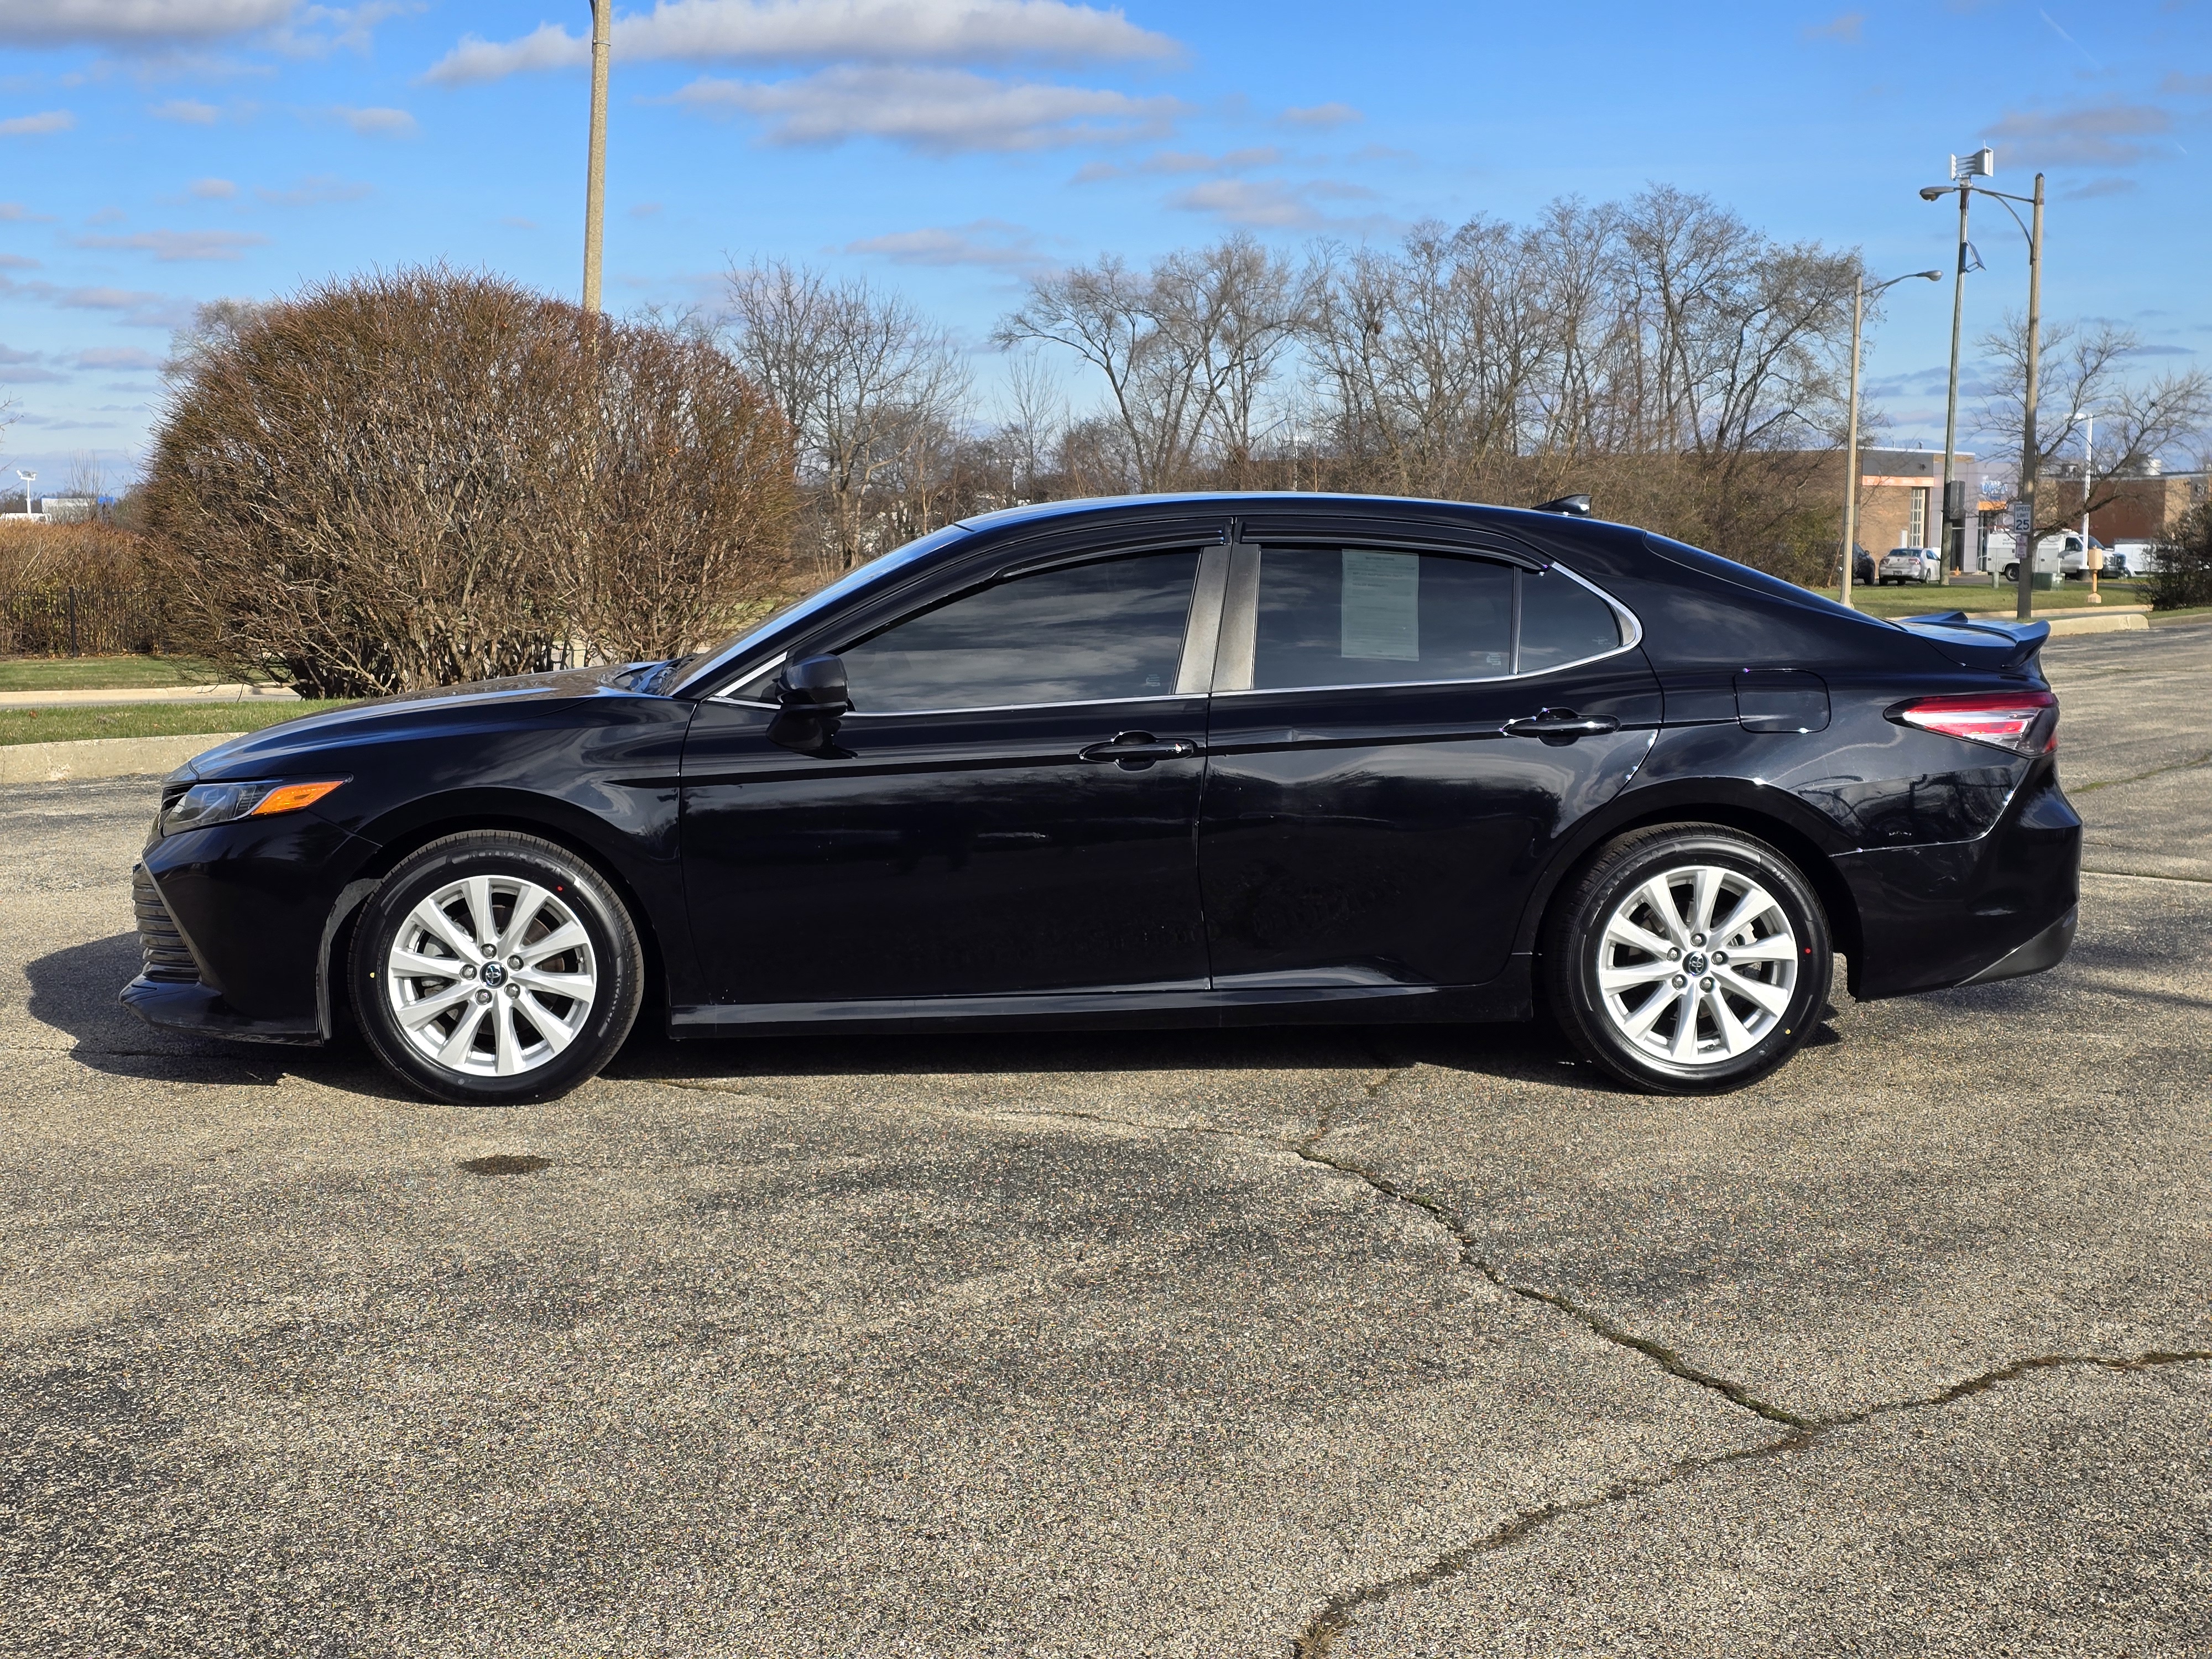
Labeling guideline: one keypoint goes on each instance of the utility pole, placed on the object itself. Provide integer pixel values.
(595, 183)
(1965, 169)
(1859, 291)
(1951, 402)
(1851, 449)
(2024, 606)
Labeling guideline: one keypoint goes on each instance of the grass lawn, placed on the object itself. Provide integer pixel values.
(103, 673)
(147, 719)
(1916, 601)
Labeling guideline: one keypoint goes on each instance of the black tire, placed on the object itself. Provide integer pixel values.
(608, 961)
(1575, 948)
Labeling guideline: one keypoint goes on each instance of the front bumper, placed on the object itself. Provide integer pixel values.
(195, 1009)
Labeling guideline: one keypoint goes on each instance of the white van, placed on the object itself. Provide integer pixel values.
(2059, 555)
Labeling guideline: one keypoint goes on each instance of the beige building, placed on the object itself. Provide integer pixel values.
(1901, 496)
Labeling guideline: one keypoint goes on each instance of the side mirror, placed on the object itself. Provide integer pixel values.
(814, 693)
(815, 685)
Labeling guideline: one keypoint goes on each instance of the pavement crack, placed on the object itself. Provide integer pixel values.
(1320, 1637)
(1470, 1252)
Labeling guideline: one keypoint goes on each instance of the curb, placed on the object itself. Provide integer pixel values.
(102, 758)
(2102, 622)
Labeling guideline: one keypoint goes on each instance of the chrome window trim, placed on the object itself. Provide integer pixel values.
(1007, 708)
(776, 661)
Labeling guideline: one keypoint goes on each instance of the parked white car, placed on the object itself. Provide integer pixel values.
(2058, 555)
(1911, 564)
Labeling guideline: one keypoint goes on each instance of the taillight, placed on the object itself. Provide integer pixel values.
(2026, 722)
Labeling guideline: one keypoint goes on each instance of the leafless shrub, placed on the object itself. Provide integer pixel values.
(406, 480)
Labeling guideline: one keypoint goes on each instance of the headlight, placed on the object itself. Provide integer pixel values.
(204, 804)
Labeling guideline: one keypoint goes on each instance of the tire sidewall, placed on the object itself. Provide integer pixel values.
(1585, 934)
(614, 948)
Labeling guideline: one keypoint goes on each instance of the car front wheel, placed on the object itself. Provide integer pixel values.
(1687, 959)
(495, 969)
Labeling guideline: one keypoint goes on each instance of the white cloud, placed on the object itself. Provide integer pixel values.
(115, 357)
(193, 113)
(1265, 203)
(2096, 135)
(222, 189)
(989, 242)
(51, 120)
(315, 191)
(943, 111)
(133, 306)
(132, 22)
(1326, 115)
(172, 246)
(827, 30)
(377, 123)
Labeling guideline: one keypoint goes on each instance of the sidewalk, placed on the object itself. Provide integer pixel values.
(149, 693)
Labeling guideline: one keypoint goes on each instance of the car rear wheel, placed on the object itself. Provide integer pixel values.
(495, 969)
(1687, 959)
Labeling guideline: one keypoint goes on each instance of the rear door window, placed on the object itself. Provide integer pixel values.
(1346, 615)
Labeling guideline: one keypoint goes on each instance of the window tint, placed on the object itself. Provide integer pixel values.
(1084, 633)
(1562, 622)
(1357, 616)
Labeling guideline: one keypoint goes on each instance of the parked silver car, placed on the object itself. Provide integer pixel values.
(1911, 564)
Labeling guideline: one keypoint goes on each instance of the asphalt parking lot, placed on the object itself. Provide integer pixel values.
(1359, 1343)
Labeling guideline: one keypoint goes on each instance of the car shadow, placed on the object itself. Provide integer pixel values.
(75, 992)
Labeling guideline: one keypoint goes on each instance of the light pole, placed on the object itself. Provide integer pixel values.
(1982, 164)
(595, 180)
(1859, 291)
(28, 478)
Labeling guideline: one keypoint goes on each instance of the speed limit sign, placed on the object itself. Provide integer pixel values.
(2023, 516)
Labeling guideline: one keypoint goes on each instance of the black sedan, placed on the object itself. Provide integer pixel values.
(1209, 760)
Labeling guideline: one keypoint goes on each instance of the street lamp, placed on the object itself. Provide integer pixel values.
(28, 478)
(595, 165)
(1859, 291)
(2023, 509)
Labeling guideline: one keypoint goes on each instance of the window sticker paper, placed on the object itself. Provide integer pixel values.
(1382, 608)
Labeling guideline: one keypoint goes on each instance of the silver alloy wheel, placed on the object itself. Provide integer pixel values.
(1690, 990)
(491, 976)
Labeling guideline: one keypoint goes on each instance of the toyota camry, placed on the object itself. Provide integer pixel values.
(1200, 761)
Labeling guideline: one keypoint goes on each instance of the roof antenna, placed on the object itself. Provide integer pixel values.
(1574, 506)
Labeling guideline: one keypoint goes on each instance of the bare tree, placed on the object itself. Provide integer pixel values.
(2084, 371)
(1186, 350)
(861, 375)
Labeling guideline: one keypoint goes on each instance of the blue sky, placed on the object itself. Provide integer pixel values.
(158, 152)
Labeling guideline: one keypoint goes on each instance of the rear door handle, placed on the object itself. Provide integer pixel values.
(1140, 747)
(1561, 725)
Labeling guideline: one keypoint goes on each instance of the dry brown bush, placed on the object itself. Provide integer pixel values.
(407, 480)
(109, 579)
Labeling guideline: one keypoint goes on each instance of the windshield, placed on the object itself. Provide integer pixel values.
(728, 654)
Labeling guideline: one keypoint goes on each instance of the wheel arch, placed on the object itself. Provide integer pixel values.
(1791, 828)
(544, 819)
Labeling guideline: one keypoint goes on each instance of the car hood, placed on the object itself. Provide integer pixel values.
(448, 708)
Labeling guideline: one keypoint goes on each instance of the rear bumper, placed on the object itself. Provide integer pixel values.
(2046, 950)
(1960, 913)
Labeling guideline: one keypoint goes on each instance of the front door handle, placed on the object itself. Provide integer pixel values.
(1557, 725)
(1134, 749)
